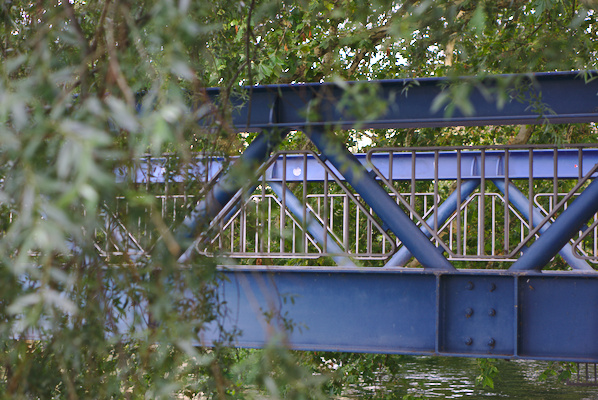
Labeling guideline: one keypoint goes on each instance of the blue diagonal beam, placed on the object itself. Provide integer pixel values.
(445, 210)
(521, 203)
(560, 232)
(378, 199)
(312, 225)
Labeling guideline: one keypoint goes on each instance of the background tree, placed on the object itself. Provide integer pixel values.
(73, 74)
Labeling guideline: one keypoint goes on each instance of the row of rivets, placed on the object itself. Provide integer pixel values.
(491, 342)
(469, 312)
(470, 286)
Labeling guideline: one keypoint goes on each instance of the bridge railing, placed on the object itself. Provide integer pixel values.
(471, 202)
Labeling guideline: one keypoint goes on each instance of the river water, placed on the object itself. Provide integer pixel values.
(453, 378)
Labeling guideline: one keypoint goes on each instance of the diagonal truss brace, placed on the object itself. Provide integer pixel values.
(445, 210)
(521, 203)
(560, 232)
(378, 199)
(311, 223)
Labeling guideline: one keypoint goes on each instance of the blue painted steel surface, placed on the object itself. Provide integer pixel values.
(560, 232)
(566, 98)
(477, 313)
(542, 165)
(558, 316)
(521, 203)
(445, 210)
(311, 224)
(379, 200)
(358, 310)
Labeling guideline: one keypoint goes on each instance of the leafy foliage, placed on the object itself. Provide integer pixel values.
(488, 371)
(87, 88)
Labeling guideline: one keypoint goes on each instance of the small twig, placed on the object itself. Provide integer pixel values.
(70, 12)
(138, 43)
(173, 246)
(356, 61)
(229, 87)
(115, 66)
(100, 29)
(248, 60)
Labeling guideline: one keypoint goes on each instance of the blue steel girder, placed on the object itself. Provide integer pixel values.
(472, 313)
(396, 164)
(561, 97)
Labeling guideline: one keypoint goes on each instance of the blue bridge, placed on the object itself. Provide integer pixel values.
(461, 251)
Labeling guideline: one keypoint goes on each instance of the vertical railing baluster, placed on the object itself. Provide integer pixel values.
(482, 204)
(357, 231)
(283, 202)
(493, 236)
(465, 231)
(325, 213)
(369, 233)
(459, 200)
(506, 216)
(436, 193)
(262, 216)
(256, 244)
(555, 181)
(269, 224)
(530, 181)
(413, 184)
(346, 222)
(305, 247)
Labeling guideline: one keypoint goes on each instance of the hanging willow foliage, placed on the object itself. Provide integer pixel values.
(87, 89)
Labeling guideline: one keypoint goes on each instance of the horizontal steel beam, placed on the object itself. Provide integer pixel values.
(477, 313)
(558, 97)
(570, 164)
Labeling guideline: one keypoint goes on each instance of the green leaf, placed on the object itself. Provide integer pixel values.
(477, 22)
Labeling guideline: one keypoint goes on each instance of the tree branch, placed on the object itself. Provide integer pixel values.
(114, 66)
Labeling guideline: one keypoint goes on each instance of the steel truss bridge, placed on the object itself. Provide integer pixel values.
(461, 251)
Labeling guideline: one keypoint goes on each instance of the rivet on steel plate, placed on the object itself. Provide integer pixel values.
(468, 312)
(468, 341)
(492, 312)
(491, 342)
(469, 285)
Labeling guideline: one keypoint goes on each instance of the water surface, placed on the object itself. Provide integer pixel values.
(454, 378)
